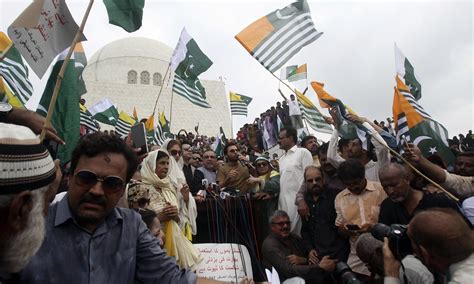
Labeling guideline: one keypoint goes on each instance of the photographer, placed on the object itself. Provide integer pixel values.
(443, 241)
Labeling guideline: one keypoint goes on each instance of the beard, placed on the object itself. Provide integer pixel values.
(17, 250)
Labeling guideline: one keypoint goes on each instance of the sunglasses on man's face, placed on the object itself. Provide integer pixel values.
(88, 179)
(175, 152)
(197, 159)
(261, 165)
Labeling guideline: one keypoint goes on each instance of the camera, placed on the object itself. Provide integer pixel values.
(344, 274)
(396, 235)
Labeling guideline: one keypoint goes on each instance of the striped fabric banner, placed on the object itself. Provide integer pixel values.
(87, 120)
(239, 103)
(194, 96)
(312, 115)
(277, 37)
(14, 71)
(124, 124)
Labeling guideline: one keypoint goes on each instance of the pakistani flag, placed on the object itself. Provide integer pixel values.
(277, 37)
(14, 72)
(346, 128)
(188, 62)
(418, 127)
(312, 115)
(124, 124)
(239, 103)
(6, 96)
(125, 13)
(406, 71)
(66, 115)
(105, 112)
(87, 120)
(220, 143)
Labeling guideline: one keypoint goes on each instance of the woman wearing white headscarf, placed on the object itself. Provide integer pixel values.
(187, 204)
(164, 200)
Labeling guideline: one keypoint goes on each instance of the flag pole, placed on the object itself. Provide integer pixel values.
(288, 86)
(450, 195)
(162, 84)
(171, 108)
(60, 76)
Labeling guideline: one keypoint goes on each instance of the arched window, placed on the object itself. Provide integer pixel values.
(132, 77)
(157, 79)
(145, 78)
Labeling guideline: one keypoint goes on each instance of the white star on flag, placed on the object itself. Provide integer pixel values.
(433, 150)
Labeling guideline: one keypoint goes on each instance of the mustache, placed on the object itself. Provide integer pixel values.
(93, 199)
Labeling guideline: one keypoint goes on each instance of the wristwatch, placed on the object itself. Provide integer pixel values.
(5, 108)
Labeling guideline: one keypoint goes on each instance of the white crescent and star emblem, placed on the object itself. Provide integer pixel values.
(283, 17)
(419, 139)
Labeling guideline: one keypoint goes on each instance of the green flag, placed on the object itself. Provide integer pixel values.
(125, 13)
(188, 62)
(66, 115)
(220, 143)
(407, 73)
(105, 112)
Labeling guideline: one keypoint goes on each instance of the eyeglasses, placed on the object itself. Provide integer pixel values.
(175, 152)
(88, 179)
(197, 159)
(232, 150)
(261, 165)
(281, 224)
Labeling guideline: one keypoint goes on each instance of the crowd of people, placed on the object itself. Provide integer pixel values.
(337, 211)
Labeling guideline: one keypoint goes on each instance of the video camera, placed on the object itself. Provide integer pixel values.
(396, 235)
(344, 274)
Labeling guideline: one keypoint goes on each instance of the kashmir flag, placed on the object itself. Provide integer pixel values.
(346, 128)
(312, 115)
(156, 135)
(42, 31)
(66, 115)
(87, 120)
(285, 72)
(277, 37)
(418, 127)
(188, 62)
(14, 72)
(105, 112)
(81, 61)
(406, 71)
(126, 14)
(7, 96)
(239, 103)
(124, 124)
(299, 73)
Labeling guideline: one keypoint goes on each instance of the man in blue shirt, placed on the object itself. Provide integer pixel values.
(88, 239)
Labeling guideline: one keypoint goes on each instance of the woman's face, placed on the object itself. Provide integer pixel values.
(175, 151)
(162, 166)
(263, 167)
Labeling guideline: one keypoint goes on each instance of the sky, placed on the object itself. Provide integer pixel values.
(354, 57)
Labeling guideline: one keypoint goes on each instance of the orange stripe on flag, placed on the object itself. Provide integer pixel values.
(301, 69)
(401, 104)
(254, 34)
(5, 42)
(322, 94)
(149, 124)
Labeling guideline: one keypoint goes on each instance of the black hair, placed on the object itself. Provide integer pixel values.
(290, 131)
(323, 149)
(96, 143)
(147, 216)
(351, 169)
(161, 154)
(306, 139)
(228, 145)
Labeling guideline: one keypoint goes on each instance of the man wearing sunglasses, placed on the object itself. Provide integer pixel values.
(285, 251)
(193, 177)
(88, 239)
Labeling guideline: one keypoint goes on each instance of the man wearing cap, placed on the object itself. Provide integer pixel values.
(90, 240)
(27, 173)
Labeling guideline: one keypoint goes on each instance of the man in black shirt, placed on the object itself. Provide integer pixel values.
(193, 177)
(319, 233)
(403, 200)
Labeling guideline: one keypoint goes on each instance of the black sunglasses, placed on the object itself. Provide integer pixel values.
(175, 152)
(261, 165)
(281, 224)
(87, 178)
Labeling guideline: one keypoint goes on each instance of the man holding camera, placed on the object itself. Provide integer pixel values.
(443, 241)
